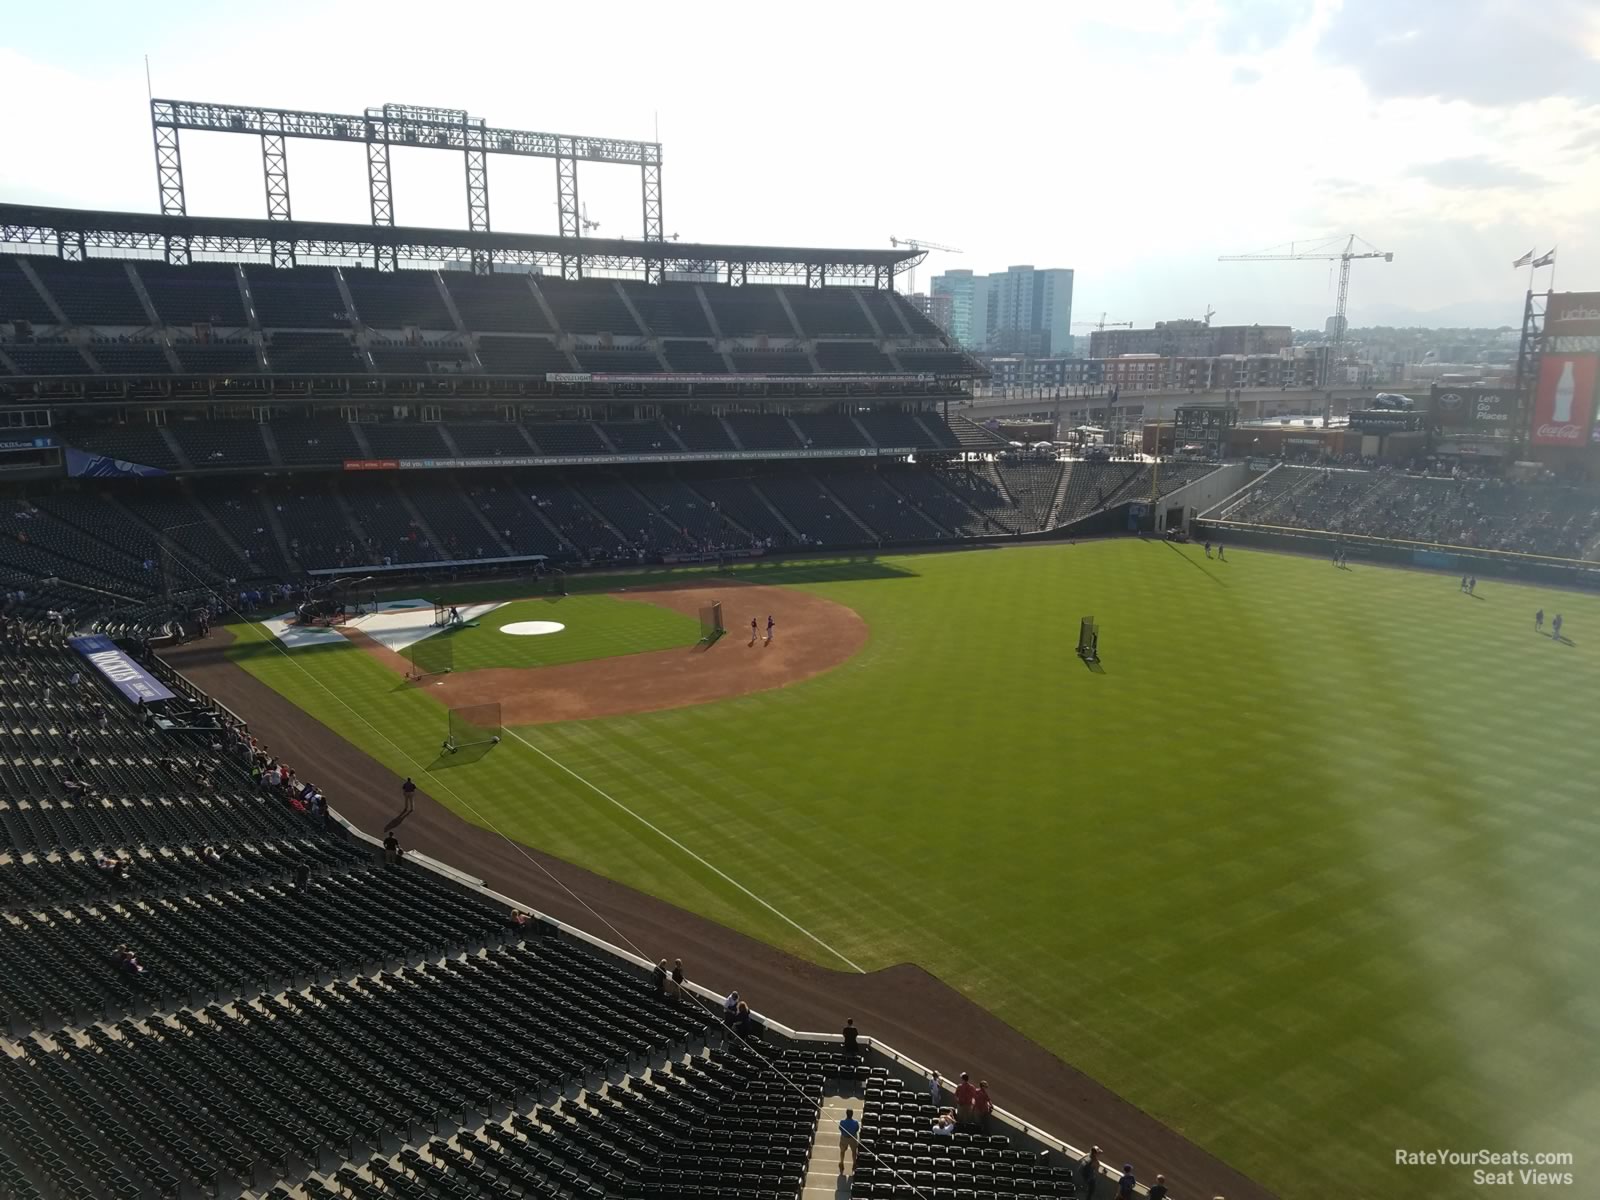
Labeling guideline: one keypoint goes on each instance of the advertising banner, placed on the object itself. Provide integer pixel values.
(595, 460)
(829, 377)
(83, 465)
(127, 676)
(372, 464)
(1481, 410)
(39, 442)
(1563, 402)
(1572, 314)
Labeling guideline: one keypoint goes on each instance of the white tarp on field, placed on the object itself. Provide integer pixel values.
(396, 624)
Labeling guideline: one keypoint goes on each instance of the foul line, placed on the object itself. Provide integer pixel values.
(664, 835)
(555, 762)
(750, 1047)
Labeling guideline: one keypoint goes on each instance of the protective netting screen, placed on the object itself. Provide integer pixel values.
(475, 725)
(431, 656)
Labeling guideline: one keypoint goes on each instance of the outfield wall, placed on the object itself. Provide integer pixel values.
(1457, 560)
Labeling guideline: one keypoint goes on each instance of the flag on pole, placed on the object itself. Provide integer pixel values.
(1545, 260)
(1524, 260)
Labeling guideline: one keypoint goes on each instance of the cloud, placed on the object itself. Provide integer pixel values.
(1486, 52)
(1585, 140)
(1342, 187)
(1246, 76)
(1474, 174)
(1255, 25)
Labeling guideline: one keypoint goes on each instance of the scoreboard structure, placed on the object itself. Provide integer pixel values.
(1205, 425)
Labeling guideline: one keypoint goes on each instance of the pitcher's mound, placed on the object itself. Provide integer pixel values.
(532, 628)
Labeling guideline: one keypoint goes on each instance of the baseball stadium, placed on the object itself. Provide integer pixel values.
(504, 715)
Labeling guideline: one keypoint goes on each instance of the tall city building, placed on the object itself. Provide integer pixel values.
(1030, 312)
(1022, 310)
(968, 298)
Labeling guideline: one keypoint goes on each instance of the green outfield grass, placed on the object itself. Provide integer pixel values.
(597, 626)
(1307, 871)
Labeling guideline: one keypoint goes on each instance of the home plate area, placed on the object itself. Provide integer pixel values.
(395, 624)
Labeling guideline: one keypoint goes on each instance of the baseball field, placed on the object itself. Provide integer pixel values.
(1306, 869)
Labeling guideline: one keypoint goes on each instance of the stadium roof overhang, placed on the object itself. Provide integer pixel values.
(74, 233)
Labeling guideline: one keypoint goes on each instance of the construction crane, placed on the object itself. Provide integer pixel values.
(1102, 323)
(918, 244)
(1325, 250)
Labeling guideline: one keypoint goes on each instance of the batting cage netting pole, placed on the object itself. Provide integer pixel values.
(474, 725)
(711, 627)
(1088, 640)
(430, 656)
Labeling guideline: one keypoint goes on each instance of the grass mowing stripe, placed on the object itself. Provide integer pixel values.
(665, 836)
(1307, 872)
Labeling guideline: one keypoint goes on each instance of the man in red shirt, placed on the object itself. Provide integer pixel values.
(966, 1098)
(982, 1106)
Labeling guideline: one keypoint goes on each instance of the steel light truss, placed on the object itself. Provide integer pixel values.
(169, 178)
(477, 166)
(382, 199)
(650, 192)
(409, 125)
(275, 171)
(567, 203)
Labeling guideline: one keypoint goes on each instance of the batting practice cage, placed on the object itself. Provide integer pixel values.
(474, 725)
(430, 656)
(711, 627)
(1088, 640)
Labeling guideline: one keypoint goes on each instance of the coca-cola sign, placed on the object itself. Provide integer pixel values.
(1557, 433)
(1563, 404)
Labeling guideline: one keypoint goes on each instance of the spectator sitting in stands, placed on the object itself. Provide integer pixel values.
(209, 853)
(73, 786)
(127, 961)
(730, 1006)
(944, 1125)
(519, 919)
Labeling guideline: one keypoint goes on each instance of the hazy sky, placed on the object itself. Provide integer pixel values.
(1132, 142)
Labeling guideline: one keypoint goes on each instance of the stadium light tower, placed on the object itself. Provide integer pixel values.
(921, 244)
(1325, 251)
(379, 128)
